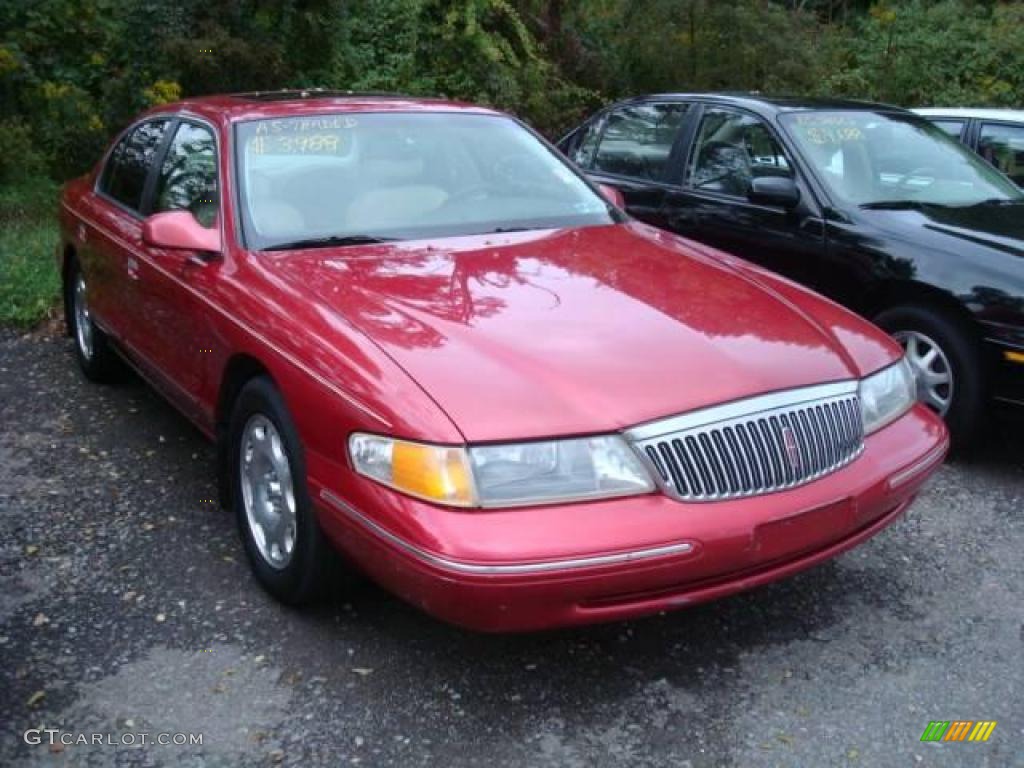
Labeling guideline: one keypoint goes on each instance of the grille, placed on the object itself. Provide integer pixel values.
(763, 444)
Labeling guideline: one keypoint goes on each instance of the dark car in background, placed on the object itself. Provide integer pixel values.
(871, 205)
(995, 134)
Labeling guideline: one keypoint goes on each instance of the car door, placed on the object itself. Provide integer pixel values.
(711, 200)
(110, 233)
(175, 283)
(1002, 145)
(632, 147)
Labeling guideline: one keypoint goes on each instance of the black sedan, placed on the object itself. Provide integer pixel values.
(871, 205)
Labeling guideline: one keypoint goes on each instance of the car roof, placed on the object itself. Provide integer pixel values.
(770, 104)
(982, 113)
(236, 107)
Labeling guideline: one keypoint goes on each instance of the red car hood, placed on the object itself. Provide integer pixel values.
(575, 331)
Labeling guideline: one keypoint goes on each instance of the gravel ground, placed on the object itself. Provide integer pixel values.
(126, 607)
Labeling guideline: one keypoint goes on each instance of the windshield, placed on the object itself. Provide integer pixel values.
(351, 178)
(874, 159)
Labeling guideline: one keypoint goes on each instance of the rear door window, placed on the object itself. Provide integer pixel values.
(638, 140)
(124, 177)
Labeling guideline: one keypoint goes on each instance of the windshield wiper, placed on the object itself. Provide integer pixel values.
(994, 202)
(899, 205)
(503, 230)
(329, 242)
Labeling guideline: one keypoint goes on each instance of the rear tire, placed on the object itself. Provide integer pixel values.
(287, 551)
(948, 363)
(96, 357)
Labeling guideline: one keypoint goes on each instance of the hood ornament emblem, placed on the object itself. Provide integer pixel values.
(792, 448)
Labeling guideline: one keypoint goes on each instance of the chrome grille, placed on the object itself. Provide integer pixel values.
(754, 446)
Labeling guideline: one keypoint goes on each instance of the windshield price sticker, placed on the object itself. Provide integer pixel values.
(313, 144)
(321, 135)
(305, 125)
(829, 129)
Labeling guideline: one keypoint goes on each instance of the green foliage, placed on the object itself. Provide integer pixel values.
(29, 283)
(695, 45)
(920, 53)
(20, 159)
(909, 52)
(474, 50)
(72, 72)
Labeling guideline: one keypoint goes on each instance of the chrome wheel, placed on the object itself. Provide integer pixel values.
(83, 320)
(932, 370)
(267, 491)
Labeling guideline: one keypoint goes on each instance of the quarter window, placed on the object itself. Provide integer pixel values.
(188, 176)
(732, 149)
(638, 140)
(954, 128)
(1003, 146)
(124, 177)
(586, 145)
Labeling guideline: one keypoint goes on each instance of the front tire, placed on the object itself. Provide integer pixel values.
(948, 366)
(283, 541)
(93, 351)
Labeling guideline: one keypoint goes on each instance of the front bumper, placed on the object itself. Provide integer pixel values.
(541, 567)
(1004, 352)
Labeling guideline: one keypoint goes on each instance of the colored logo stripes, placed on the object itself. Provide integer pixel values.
(958, 730)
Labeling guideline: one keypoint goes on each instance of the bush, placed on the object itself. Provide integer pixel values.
(20, 159)
(68, 125)
(471, 50)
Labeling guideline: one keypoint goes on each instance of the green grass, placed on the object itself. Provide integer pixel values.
(29, 283)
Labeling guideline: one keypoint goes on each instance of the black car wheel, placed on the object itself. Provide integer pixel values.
(95, 356)
(948, 366)
(285, 546)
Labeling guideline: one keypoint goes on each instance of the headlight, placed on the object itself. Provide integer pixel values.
(557, 470)
(887, 395)
(504, 475)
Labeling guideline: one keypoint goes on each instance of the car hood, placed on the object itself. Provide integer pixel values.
(563, 332)
(997, 227)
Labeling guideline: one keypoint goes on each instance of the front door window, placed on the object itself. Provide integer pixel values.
(732, 149)
(188, 176)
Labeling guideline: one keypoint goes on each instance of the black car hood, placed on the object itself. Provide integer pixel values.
(999, 227)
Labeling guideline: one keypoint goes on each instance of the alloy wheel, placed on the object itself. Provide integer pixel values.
(932, 370)
(83, 319)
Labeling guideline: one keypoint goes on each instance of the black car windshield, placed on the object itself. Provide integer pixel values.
(880, 159)
(321, 180)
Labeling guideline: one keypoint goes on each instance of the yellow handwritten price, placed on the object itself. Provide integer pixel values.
(301, 144)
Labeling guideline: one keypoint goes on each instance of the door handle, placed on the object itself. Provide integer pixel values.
(198, 259)
(132, 267)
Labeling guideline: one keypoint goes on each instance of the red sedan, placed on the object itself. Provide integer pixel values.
(420, 337)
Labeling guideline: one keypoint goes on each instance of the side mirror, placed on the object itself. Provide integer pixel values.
(774, 190)
(181, 231)
(613, 195)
